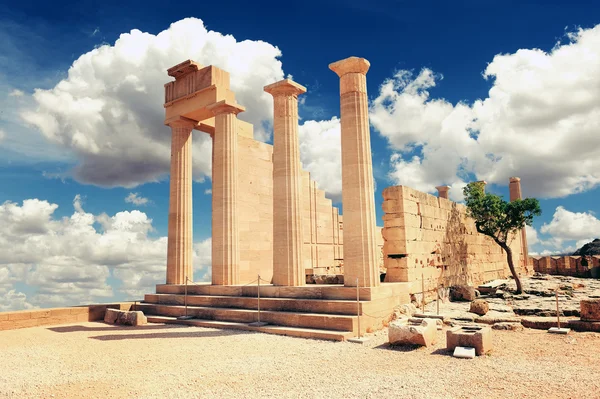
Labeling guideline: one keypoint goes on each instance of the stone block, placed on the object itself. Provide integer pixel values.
(478, 337)
(590, 309)
(464, 353)
(404, 332)
(127, 318)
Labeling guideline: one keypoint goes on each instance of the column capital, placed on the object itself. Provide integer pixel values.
(350, 65)
(225, 107)
(514, 179)
(285, 87)
(443, 191)
(181, 121)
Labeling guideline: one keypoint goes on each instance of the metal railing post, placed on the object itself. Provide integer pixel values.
(358, 305)
(422, 294)
(258, 297)
(185, 293)
(258, 323)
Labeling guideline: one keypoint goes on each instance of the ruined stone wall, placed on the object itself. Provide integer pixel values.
(323, 233)
(432, 237)
(13, 320)
(578, 266)
(255, 209)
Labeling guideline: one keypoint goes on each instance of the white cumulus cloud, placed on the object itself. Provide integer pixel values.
(108, 110)
(540, 122)
(321, 154)
(566, 232)
(72, 260)
(568, 225)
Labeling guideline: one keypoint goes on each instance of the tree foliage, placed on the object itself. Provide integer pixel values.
(499, 219)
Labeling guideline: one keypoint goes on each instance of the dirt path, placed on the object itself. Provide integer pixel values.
(94, 360)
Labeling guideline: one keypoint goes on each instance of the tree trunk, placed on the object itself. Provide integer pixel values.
(511, 265)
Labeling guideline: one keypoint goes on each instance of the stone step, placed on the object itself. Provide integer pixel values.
(289, 319)
(311, 291)
(342, 307)
(330, 335)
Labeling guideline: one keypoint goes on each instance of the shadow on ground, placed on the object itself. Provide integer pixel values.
(197, 334)
(412, 348)
(398, 348)
(109, 327)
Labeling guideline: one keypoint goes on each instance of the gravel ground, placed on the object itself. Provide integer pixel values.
(94, 360)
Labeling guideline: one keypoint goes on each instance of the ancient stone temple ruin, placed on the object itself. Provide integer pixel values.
(270, 219)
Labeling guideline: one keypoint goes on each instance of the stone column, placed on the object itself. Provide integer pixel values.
(483, 183)
(225, 230)
(288, 238)
(514, 188)
(358, 194)
(180, 233)
(443, 191)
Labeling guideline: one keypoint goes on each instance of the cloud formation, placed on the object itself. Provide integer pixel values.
(108, 111)
(321, 154)
(16, 93)
(136, 199)
(77, 259)
(565, 233)
(540, 122)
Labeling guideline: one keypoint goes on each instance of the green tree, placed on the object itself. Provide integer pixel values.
(499, 219)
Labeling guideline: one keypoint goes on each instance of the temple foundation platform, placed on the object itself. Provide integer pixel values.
(318, 311)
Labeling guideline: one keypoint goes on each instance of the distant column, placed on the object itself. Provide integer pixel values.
(288, 238)
(443, 191)
(483, 183)
(358, 194)
(514, 188)
(225, 229)
(180, 234)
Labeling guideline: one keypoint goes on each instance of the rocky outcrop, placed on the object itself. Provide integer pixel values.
(462, 293)
(591, 248)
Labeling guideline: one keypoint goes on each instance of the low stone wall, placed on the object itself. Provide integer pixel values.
(577, 266)
(55, 316)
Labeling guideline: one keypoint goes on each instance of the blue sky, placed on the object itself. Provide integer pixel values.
(459, 91)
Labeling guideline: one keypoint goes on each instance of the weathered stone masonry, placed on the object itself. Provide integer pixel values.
(432, 237)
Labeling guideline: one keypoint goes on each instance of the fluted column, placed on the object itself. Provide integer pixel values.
(288, 238)
(514, 188)
(180, 234)
(225, 230)
(443, 191)
(358, 194)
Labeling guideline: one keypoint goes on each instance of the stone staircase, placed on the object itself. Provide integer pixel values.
(317, 311)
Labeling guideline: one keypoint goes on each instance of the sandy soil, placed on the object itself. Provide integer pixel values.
(94, 360)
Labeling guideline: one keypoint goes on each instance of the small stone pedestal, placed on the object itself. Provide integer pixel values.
(478, 337)
(590, 309)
